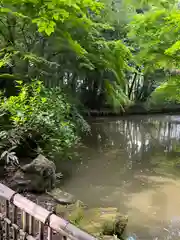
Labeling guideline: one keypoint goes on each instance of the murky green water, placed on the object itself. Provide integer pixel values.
(132, 163)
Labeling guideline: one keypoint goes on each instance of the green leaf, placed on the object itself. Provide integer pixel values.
(49, 30)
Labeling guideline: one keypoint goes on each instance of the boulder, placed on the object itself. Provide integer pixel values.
(96, 221)
(62, 197)
(37, 176)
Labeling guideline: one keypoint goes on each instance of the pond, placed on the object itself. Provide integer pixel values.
(132, 163)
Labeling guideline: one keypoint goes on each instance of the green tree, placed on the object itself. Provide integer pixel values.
(64, 44)
(155, 36)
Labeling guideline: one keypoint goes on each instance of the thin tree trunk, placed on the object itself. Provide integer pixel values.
(133, 82)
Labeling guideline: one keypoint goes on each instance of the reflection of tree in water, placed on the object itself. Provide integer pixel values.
(143, 139)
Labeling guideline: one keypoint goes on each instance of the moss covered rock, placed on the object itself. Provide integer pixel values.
(96, 221)
(38, 176)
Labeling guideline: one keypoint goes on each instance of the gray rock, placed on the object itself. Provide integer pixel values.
(38, 176)
(62, 197)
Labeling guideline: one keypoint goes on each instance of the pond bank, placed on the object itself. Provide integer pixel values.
(102, 223)
(138, 109)
(99, 222)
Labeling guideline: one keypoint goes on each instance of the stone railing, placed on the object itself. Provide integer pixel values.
(21, 218)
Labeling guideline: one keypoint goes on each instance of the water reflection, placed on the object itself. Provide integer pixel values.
(133, 163)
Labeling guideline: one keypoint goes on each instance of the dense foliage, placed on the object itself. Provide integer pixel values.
(156, 33)
(40, 119)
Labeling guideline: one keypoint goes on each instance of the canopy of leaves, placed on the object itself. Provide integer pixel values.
(65, 43)
(156, 34)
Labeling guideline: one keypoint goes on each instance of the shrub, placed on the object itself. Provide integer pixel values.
(41, 115)
(167, 94)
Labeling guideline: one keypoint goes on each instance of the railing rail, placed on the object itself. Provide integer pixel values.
(22, 218)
